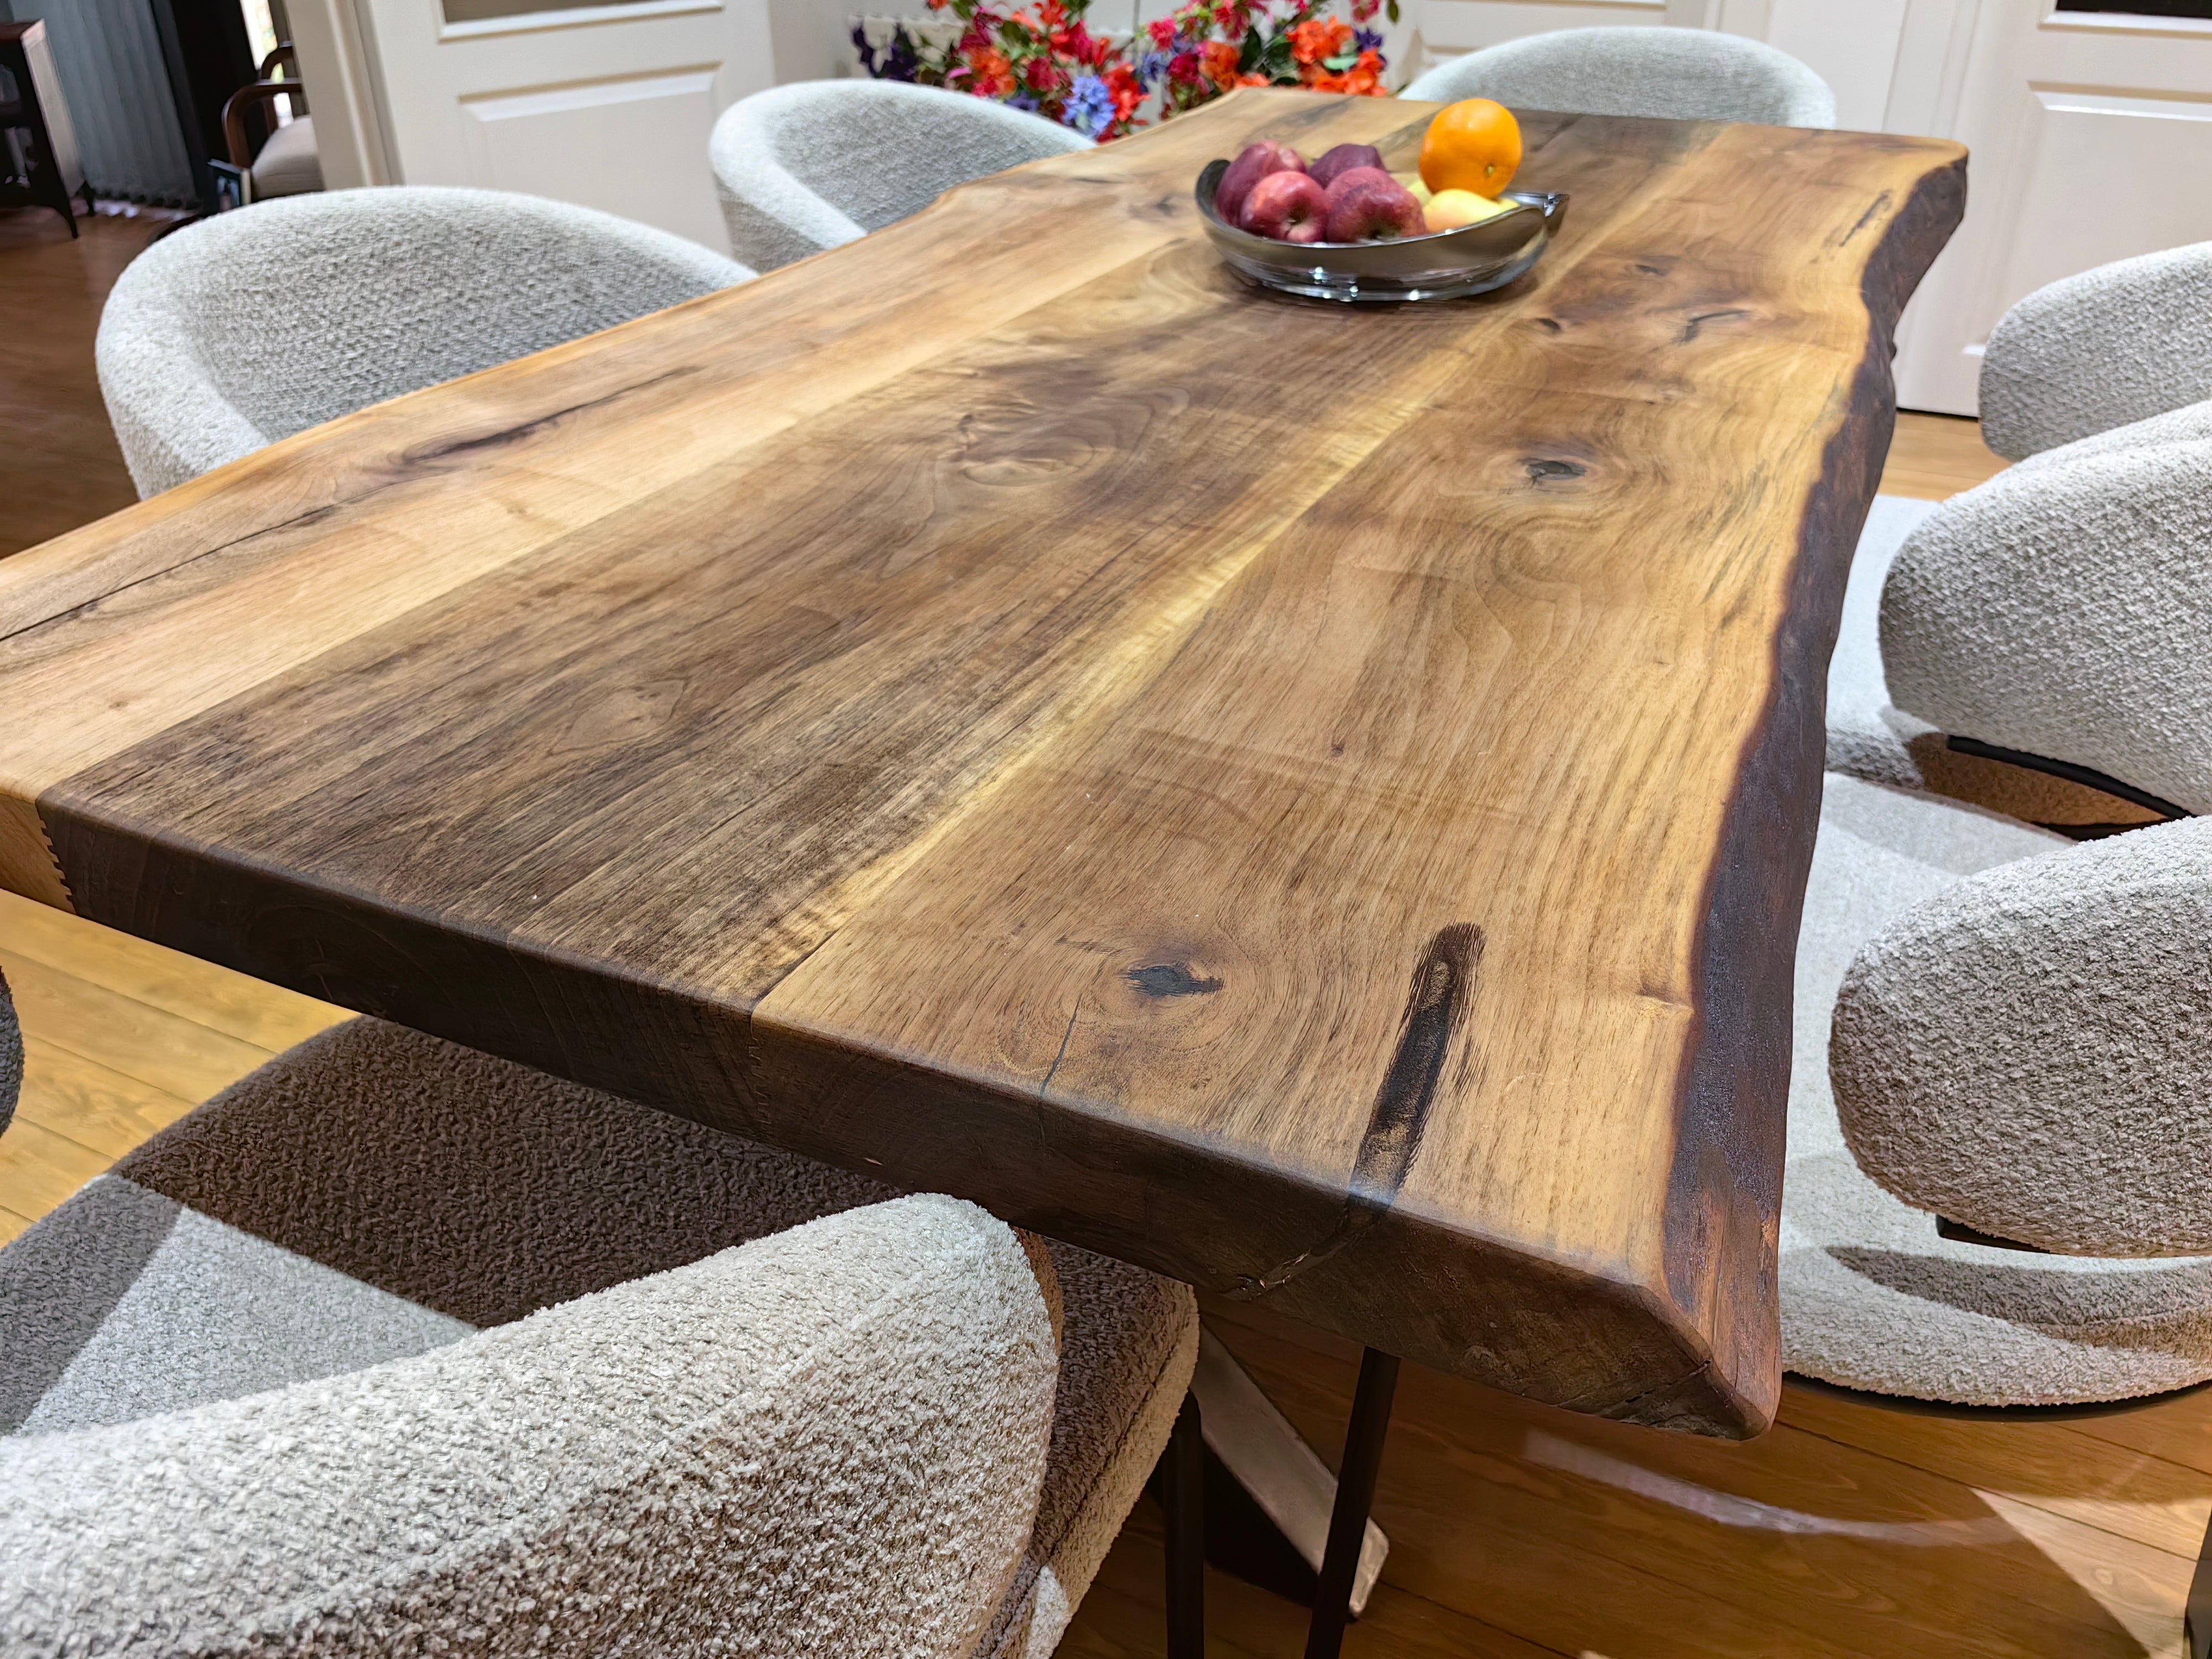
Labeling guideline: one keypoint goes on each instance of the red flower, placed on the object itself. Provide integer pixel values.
(1163, 30)
(1183, 67)
(1128, 91)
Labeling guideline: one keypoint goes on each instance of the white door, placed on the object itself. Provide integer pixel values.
(2090, 131)
(2091, 134)
(606, 105)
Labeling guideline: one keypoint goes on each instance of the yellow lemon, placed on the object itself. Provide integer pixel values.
(1448, 210)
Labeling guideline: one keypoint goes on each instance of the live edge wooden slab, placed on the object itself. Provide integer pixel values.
(1314, 800)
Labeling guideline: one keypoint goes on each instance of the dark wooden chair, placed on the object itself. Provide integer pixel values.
(39, 165)
(286, 161)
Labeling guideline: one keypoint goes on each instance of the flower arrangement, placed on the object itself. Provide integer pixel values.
(1041, 58)
(1045, 59)
(1207, 46)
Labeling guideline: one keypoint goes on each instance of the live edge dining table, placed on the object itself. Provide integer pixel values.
(1313, 799)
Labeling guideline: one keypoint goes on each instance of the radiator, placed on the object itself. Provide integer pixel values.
(109, 59)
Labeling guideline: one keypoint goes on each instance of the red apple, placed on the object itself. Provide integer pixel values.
(1338, 188)
(1256, 162)
(1288, 207)
(1342, 160)
(1372, 212)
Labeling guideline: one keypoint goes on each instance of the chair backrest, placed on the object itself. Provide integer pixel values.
(829, 1441)
(11, 1055)
(2103, 349)
(254, 325)
(820, 163)
(1680, 74)
(2061, 610)
(2030, 1051)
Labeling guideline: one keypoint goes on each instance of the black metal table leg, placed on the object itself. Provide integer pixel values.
(1355, 1495)
(1183, 1497)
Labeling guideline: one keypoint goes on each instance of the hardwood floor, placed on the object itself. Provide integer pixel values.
(59, 465)
(1935, 456)
(1854, 1530)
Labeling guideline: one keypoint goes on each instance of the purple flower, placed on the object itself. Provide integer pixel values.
(1090, 107)
(1024, 101)
(1367, 40)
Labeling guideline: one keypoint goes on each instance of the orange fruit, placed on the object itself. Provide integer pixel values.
(1474, 144)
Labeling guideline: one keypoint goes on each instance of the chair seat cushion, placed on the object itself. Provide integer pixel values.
(374, 1193)
(289, 164)
(1872, 1297)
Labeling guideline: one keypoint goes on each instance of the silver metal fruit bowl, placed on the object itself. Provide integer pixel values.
(1444, 264)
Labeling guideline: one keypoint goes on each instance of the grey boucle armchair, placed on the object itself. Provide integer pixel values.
(2104, 348)
(1679, 73)
(2059, 611)
(831, 1440)
(247, 327)
(817, 164)
(395, 1347)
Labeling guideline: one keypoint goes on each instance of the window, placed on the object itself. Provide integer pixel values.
(2144, 7)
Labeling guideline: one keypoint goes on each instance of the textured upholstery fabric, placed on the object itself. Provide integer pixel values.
(289, 164)
(2100, 349)
(2189, 423)
(1680, 74)
(828, 1441)
(819, 163)
(1872, 1296)
(11, 1054)
(375, 1193)
(2061, 610)
(2030, 1053)
(1870, 737)
(252, 326)
(1127, 1349)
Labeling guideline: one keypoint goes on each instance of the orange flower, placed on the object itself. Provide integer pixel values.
(1254, 80)
(1219, 59)
(994, 75)
(1362, 80)
(1319, 37)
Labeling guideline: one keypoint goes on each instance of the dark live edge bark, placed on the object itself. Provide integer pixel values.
(1726, 1183)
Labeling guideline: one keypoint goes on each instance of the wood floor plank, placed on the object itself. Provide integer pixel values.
(1581, 1534)
(59, 464)
(39, 1169)
(100, 1108)
(2057, 1465)
(2178, 1430)
(2145, 1590)
(1934, 457)
(266, 1016)
(1121, 1616)
(12, 1223)
(177, 1056)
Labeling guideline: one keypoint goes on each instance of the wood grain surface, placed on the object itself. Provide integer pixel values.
(1313, 800)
